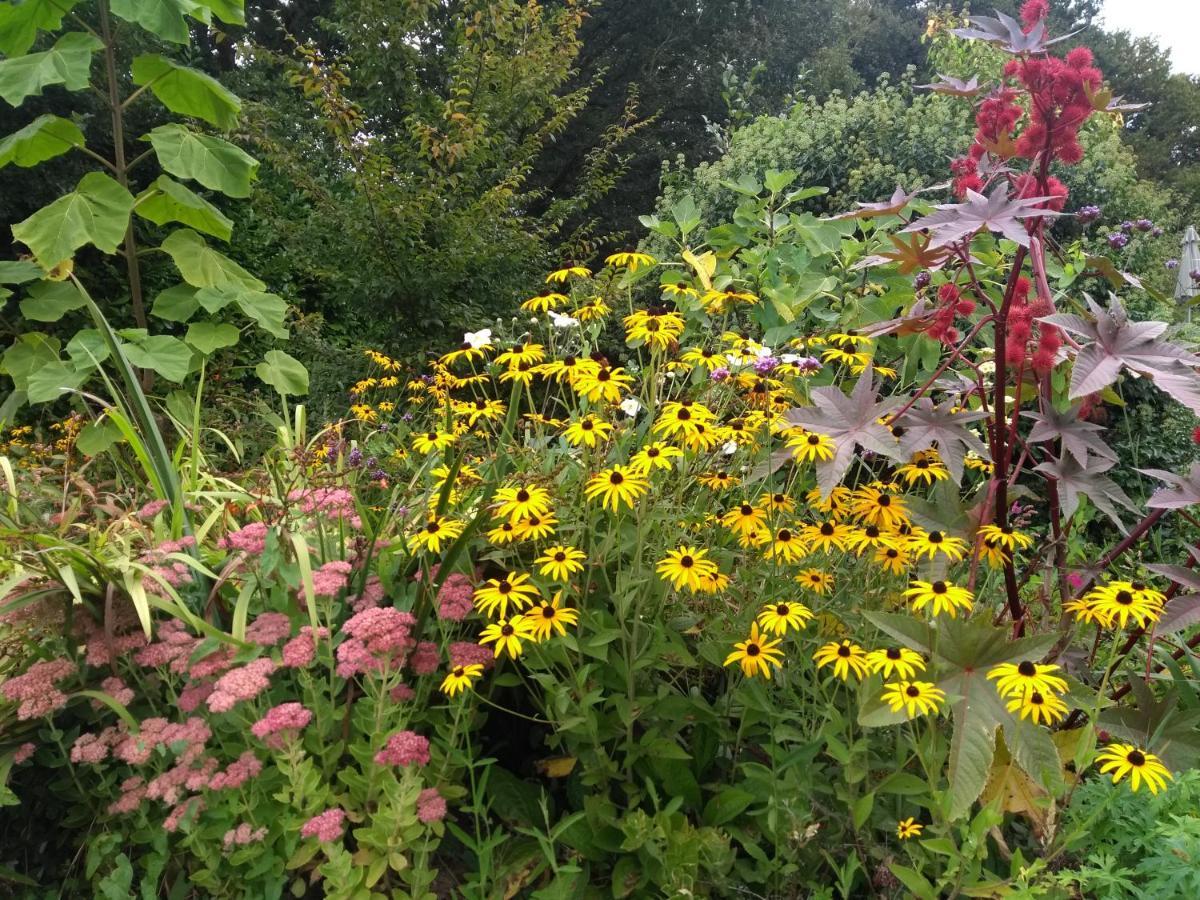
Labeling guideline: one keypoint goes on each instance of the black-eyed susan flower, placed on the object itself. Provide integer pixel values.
(1040, 707)
(517, 501)
(567, 369)
(1018, 679)
(560, 562)
(904, 662)
(810, 446)
(701, 437)
(550, 618)
(602, 385)
(593, 310)
(497, 594)
(914, 697)
(433, 441)
(713, 582)
(846, 657)
(522, 353)
(434, 532)
(504, 533)
(364, 412)
(994, 553)
(658, 328)
(616, 487)
(718, 480)
(1007, 537)
(1120, 760)
(506, 635)
(815, 580)
(681, 416)
(1085, 609)
(544, 302)
(587, 431)
(535, 528)
(685, 567)
(629, 259)
(482, 408)
(777, 503)
(925, 467)
(460, 678)
(874, 506)
(745, 518)
(654, 456)
(787, 545)
(707, 359)
(521, 373)
(781, 615)
(942, 595)
(568, 271)
(930, 543)
(870, 538)
(1119, 601)
(908, 828)
(826, 536)
(756, 654)
(835, 505)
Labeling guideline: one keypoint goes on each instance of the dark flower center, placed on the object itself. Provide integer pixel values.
(938, 587)
(432, 435)
(1135, 758)
(747, 509)
(683, 415)
(507, 630)
(522, 496)
(884, 500)
(935, 537)
(752, 649)
(586, 425)
(778, 498)
(913, 691)
(891, 553)
(458, 671)
(432, 527)
(616, 478)
(653, 452)
(893, 653)
(827, 529)
(871, 531)
(1124, 598)
(1036, 699)
(603, 375)
(782, 609)
(548, 612)
(843, 651)
(560, 556)
(686, 561)
(504, 587)
(784, 535)
(533, 521)
(1027, 669)
(813, 440)
(922, 464)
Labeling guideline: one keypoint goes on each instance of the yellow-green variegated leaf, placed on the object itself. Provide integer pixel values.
(96, 212)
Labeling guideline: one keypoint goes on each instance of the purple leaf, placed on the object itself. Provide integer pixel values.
(926, 424)
(1181, 612)
(1183, 490)
(1088, 479)
(1008, 33)
(956, 87)
(996, 212)
(1078, 437)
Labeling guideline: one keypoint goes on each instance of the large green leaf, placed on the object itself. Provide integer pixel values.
(267, 310)
(49, 301)
(21, 21)
(187, 91)
(29, 352)
(19, 271)
(203, 267)
(96, 212)
(209, 336)
(169, 201)
(215, 163)
(168, 356)
(50, 381)
(165, 18)
(231, 12)
(67, 63)
(44, 138)
(176, 304)
(87, 348)
(283, 372)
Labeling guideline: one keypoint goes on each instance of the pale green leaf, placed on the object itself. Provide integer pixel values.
(49, 301)
(67, 63)
(215, 163)
(48, 382)
(267, 310)
(96, 437)
(96, 212)
(187, 91)
(209, 336)
(168, 356)
(21, 21)
(176, 304)
(283, 372)
(29, 352)
(19, 271)
(166, 200)
(44, 138)
(164, 18)
(202, 266)
(231, 12)
(87, 349)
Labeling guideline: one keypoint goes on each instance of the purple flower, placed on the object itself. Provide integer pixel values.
(1143, 225)
(1127, 226)
(922, 280)
(1194, 275)
(407, 417)
(1172, 264)
(719, 374)
(1117, 240)
(1088, 214)
(1156, 231)
(355, 458)
(765, 364)
(810, 364)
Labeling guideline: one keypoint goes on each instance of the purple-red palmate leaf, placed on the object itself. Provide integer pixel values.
(955, 87)
(1075, 478)
(994, 212)
(1009, 33)
(1078, 436)
(944, 425)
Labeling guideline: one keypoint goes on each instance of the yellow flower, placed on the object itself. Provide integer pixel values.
(892, 559)
(816, 581)
(594, 309)
(604, 385)
(561, 275)
(1120, 601)
(685, 567)
(548, 618)
(588, 431)
(364, 413)
(560, 562)
(431, 535)
(504, 533)
(522, 353)
(777, 503)
(1044, 708)
(1139, 765)
(913, 697)
(877, 507)
(827, 536)
(616, 486)
(945, 597)
(930, 543)
(904, 662)
(745, 519)
(1019, 679)
(516, 501)
(658, 328)
(925, 467)
(779, 617)
(1005, 537)
(568, 368)
(717, 481)
(544, 302)
(787, 545)
(908, 828)
(507, 635)
(522, 373)
(535, 528)
(834, 505)
(630, 260)
(870, 538)
(809, 446)
(846, 658)
(654, 456)
(704, 358)
(460, 678)
(756, 654)
(496, 595)
(680, 416)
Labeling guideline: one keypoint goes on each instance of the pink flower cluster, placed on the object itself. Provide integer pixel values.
(269, 629)
(455, 597)
(243, 683)
(251, 540)
(117, 689)
(403, 749)
(331, 578)
(378, 639)
(152, 509)
(300, 651)
(431, 806)
(466, 653)
(22, 753)
(37, 689)
(326, 826)
(172, 572)
(243, 835)
(372, 595)
(327, 502)
(237, 773)
(188, 809)
(425, 659)
(281, 723)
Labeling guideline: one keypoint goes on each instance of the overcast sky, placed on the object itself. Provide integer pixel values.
(1175, 24)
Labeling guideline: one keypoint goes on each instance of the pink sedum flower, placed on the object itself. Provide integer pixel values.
(403, 749)
(326, 826)
(431, 806)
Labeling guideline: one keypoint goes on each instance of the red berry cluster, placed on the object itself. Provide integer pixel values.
(1021, 322)
(951, 304)
(1059, 103)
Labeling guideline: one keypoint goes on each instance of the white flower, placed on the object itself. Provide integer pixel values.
(477, 340)
(763, 352)
(730, 448)
(560, 321)
(631, 406)
(789, 358)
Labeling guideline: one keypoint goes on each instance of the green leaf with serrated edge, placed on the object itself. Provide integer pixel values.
(175, 304)
(283, 372)
(166, 200)
(168, 356)
(49, 301)
(202, 266)
(96, 212)
(215, 163)
(67, 63)
(44, 138)
(20, 22)
(210, 336)
(187, 91)
(19, 271)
